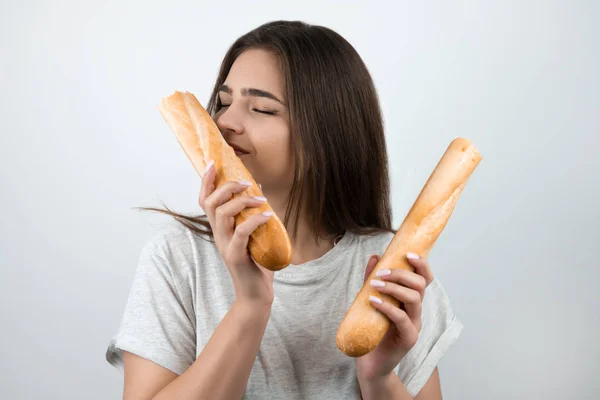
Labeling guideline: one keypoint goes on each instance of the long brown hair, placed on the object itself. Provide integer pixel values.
(341, 169)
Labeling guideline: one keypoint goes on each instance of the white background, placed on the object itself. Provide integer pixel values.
(82, 143)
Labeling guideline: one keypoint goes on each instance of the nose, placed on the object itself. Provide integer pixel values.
(230, 121)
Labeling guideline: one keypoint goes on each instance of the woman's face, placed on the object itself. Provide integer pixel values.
(254, 119)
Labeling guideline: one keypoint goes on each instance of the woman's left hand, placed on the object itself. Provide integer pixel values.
(408, 288)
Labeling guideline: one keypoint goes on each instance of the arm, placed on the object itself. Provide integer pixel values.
(392, 388)
(221, 371)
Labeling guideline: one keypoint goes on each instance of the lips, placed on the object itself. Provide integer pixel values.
(238, 150)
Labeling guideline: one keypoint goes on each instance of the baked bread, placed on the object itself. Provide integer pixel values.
(202, 142)
(364, 326)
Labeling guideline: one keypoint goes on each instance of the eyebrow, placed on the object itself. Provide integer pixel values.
(252, 92)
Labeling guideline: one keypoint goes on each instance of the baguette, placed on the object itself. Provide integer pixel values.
(364, 326)
(201, 140)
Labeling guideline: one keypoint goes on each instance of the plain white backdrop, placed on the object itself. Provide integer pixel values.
(82, 143)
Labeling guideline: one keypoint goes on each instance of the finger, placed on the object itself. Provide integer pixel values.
(223, 194)
(208, 181)
(411, 299)
(406, 278)
(225, 213)
(403, 323)
(421, 266)
(239, 241)
(373, 260)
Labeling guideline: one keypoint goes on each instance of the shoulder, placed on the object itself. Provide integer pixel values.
(177, 250)
(173, 236)
(374, 243)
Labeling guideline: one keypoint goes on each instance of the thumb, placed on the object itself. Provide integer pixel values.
(373, 260)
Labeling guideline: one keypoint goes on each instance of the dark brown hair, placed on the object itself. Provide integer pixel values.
(341, 169)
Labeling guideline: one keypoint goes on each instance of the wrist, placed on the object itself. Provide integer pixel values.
(369, 370)
(253, 310)
(373, 380)
(254, 298)
(383, 387)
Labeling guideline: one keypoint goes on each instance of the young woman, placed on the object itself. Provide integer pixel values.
(203, 321)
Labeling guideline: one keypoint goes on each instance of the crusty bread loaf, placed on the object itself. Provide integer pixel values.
(364, 326)
(202, 142)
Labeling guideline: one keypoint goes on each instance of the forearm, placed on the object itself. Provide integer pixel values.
(386, 388)
(222, 369)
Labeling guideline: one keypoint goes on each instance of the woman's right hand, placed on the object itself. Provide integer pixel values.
(252, 282)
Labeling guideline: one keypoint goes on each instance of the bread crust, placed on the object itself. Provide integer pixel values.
(364, 326)
(202, 141)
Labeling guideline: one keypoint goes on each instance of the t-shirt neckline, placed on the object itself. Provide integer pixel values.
(315, 269)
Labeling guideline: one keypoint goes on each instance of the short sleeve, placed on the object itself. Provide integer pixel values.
(440, 329)
(158, 322)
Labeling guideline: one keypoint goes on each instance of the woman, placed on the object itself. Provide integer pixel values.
(203, 321)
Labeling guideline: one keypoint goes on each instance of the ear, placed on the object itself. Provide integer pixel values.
(373, 260)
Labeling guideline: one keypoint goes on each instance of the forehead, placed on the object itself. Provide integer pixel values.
(256, 68)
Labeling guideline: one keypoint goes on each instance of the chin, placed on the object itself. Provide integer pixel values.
(265, 175)
(250, 167)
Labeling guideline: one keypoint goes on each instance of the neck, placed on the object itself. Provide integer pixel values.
(304, 241)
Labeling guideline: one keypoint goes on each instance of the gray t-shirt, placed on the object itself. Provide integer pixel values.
(182, 290)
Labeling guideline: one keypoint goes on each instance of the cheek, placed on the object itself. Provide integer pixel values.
(276, 156)
(277, 151)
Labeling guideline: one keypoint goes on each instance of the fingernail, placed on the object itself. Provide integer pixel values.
(383, 272)
(375, 299)
(260, 198)
(412, 256)
(245, 183)
(210, 164)
(268, 213)
(377, 283)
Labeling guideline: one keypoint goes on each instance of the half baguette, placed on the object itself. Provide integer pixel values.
(202, 142)
(364, 326)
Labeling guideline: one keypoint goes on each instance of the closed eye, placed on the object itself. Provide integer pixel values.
(264, 111)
